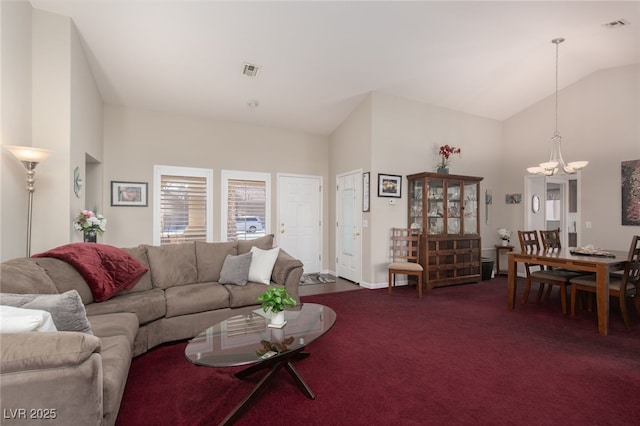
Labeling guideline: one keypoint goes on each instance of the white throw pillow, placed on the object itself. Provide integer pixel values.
(262, 262)
(19, 320)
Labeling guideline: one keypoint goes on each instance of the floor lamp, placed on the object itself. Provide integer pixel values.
(30, 158)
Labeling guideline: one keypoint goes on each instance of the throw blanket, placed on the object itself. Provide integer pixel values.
(106, 269)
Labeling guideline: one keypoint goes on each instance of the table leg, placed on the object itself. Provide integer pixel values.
(297, 354)
(301, 382)
(276, 363)
(242, 406)
(602, 299)
(512, 281)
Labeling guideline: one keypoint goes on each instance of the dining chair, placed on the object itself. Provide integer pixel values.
(551, 244)
(619, 285)
(551, 240)
(405, 249)
(529, 243)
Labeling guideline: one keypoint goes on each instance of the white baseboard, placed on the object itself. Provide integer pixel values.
(374, 286)
(399, 283)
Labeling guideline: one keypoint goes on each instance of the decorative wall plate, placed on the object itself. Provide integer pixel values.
(535, 203)
(77, 182)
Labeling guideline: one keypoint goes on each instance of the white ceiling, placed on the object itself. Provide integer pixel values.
(320, 59)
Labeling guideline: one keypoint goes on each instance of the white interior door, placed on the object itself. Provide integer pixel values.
(349, 226)
(299, 219)
(557, 206)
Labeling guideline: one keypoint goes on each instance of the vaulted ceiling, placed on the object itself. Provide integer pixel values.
(320, 59)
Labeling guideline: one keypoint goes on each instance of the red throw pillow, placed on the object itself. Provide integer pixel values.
(106, 269)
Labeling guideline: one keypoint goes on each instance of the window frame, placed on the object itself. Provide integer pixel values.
(225, 176)
(158, 172)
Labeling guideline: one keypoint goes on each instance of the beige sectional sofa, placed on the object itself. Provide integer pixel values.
(78, 378)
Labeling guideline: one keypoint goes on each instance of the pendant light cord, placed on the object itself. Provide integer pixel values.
(556, 162)
(557, 86)
(557, 42)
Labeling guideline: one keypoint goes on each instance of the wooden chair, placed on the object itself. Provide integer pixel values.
(551, 244)
(529, 243)
(551, 240)
(619, 286)
(405, 248)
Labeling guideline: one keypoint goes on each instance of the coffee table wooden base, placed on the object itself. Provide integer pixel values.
(275, 363)
(234, 342)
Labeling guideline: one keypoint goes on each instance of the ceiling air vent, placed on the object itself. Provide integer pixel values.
(616, 24)
(250, 70)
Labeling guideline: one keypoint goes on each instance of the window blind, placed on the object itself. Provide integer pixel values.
(246, 201)
(183, 209)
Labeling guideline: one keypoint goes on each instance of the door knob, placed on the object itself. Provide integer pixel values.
(282, 228)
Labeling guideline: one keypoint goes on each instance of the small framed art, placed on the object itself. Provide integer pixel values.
(389, 185)
(128, 194)
(630, 170)
(366, 205)
(513, 198)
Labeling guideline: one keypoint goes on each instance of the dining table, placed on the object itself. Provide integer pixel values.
(601, 264)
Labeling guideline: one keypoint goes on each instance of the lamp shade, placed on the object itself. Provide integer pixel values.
(578, 165)
(28, 153)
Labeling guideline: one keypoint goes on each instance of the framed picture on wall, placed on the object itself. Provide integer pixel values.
(366, 205)
(128, 194)
(389, 185)
(630, 173)
(513, 198)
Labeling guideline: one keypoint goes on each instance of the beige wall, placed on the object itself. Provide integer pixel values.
(50, 100)
(86, 116)
(599, 120)
(387, 134)
(136, 140)
(351, 150)
(53, 103)
(15, 123)
(406, 138)
(51, 127)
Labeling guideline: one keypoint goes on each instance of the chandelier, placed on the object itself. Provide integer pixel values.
(556, 162)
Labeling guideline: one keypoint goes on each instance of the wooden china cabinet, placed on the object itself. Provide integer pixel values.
(445, 208)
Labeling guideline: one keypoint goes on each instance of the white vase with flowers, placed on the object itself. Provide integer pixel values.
(91, 224)
(505, 236)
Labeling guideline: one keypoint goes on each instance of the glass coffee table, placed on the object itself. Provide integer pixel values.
(248, 339)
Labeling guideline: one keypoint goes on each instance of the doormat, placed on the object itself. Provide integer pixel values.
(309, 279)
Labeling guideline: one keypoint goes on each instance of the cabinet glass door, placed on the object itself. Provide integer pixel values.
(454, 207)
(470, 208)
(415, 206)
(435, 207)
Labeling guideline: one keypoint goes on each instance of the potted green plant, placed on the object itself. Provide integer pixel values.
(276, 299)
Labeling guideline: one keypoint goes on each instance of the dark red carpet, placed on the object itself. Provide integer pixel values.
(456, 357)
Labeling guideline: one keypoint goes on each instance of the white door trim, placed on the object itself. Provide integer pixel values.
(358, 204)
(277, 231)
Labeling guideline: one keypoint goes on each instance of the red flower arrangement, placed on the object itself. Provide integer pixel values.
(445, 152)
